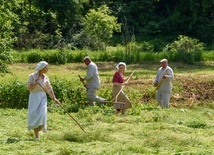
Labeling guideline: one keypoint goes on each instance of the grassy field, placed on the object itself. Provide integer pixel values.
(186, 128)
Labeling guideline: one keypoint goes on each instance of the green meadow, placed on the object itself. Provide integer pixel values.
(184, 129)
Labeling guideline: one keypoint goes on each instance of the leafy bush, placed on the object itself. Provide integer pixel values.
(99, 26)
(34, 57)
(8, 18)
(15, 95)
(147, 47)
(208, 55)
(78, 56)
(186, 49)
(5, 58)
(66, 92)
(55, 56)
(4, 69)
(116, 55)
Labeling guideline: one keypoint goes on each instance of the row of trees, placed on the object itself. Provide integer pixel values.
(27, 24)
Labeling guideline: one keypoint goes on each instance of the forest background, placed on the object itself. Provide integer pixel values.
(96, 24)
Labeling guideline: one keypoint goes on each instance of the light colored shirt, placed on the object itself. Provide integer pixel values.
(92, 78)
(166, 84)
(44, 82)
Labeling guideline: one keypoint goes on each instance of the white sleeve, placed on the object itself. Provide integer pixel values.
(90, 72)
(170, 74)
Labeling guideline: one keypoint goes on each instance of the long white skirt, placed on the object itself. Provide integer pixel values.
(37, 110)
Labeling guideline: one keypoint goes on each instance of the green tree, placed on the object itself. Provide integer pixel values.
(186, 49)
(7, 18)
(99, 26)
(193, 18)
(7, 37)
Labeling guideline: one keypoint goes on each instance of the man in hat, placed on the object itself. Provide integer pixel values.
(163, 84)
(92, 82)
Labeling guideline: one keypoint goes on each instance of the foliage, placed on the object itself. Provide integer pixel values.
(7, 20)
(66, 13)
(45, 24)
(5, 58)
(208, 55)
(72, 97)
(13, 94)
(4, 69)
(99, 26)
(54, 24)
(187, 50)
(114, 54)
(186, 44)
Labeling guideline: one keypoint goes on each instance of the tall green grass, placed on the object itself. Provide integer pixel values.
(116, 55)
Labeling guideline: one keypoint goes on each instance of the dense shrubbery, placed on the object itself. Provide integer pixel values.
(15, 95)
(208, 56)
(186, 49)
(68, 56)
(80, 24)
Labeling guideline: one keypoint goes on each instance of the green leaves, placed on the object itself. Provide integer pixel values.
(186, 49)
(99, 26)
(13, 94)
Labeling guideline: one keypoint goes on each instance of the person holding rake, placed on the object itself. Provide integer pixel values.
(163, 84)
(38, 84)
(118, 83)
(92, 79)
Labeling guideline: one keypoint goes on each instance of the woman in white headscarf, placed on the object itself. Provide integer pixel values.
(38, 85)
(118, 82)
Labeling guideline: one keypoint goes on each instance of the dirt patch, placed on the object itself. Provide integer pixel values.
(190, 90)
(187, 89)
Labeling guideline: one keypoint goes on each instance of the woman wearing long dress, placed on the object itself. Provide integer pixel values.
(118, 83)
(38, 85)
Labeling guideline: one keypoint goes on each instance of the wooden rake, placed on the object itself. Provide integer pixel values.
(121, 89)
(160, 82)
(64, 110)
(103, 101)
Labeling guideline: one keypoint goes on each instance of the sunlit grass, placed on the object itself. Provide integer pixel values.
(156, 131)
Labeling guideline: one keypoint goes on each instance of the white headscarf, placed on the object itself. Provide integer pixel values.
(41, 65)
(121, 63)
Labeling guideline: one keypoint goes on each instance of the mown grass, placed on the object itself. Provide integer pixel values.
(152, 131)
(146, 128)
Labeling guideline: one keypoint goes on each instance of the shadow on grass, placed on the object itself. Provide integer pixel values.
(12, 140)
(87, 137)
